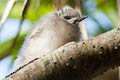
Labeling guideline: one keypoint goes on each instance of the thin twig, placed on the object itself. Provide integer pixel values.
(9, 6)
(37, 4)
(58, 4)
(24, 11)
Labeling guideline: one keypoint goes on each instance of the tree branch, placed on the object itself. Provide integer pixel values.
(74, 61)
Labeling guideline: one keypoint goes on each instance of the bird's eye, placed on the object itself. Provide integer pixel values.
(67, 17)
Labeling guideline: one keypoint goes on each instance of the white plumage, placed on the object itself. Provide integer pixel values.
(50, 32)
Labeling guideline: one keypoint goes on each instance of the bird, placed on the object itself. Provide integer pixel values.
(50, 32)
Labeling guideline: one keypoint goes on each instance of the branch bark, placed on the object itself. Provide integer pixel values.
(74, 61)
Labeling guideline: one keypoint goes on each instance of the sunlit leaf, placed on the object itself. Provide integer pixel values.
(9, 6)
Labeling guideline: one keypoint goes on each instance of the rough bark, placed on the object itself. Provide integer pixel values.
(74, 61)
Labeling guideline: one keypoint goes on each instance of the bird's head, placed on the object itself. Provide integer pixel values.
(70, 15)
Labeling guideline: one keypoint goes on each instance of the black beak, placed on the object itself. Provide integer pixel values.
(82, 18)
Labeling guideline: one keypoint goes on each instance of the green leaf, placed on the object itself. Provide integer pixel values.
(6, 45)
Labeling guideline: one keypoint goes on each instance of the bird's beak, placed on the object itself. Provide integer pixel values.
(82, 18)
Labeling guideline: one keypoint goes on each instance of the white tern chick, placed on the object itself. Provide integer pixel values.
(50, 32)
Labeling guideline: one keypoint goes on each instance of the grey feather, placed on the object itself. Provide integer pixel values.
(50, 32)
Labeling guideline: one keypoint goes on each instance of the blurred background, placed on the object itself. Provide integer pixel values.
(103, 15)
